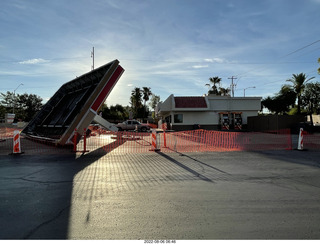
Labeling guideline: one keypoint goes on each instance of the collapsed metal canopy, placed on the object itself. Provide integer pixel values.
(74, 105)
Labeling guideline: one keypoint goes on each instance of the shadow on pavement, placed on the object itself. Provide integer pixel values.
(36, 192)
(195, 173)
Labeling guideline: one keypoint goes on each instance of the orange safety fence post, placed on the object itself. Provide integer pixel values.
(220, 140)
(289, 138)
(235, 143)
(75, 140)
(211, 136)
(231, 141)
(214, 139)
(164, 127)
(85, 141)
(202, 141)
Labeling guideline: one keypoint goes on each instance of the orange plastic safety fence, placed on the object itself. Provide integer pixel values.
(311, 141)
(100, 140)
(28, 145)
(118, 142)
(202, 140)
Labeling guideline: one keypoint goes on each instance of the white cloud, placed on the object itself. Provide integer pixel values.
(209, 60)
(215, 60)
(199, 66)
(34, 61)
(219, 60)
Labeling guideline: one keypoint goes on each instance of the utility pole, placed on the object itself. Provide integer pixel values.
(92, 56)
(232, 85)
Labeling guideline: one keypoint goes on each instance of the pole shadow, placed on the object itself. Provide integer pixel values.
(195, 173)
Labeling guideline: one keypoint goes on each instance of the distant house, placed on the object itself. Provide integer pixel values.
(208, 112)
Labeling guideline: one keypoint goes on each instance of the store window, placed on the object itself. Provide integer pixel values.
(178, 118)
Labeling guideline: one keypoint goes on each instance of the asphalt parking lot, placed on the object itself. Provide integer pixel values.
(171, 196)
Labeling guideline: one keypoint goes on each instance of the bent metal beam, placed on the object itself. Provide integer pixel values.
(74, 105)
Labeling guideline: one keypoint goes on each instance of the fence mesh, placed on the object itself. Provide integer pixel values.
(311, 141)
(100, 140)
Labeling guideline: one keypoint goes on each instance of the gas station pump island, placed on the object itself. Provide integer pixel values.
(230, 120)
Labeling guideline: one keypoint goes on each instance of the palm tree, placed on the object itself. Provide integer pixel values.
(298, 85)
(224, 91)
(135, 100)
(146, 91)
(214, 81)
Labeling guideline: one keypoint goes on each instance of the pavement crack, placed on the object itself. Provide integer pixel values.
(39, 181)
(33, 173)
(28, 235)
(48, 182)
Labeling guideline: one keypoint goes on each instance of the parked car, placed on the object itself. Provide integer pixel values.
(133, 125)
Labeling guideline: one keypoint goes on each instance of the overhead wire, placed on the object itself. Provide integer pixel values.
(284, 56)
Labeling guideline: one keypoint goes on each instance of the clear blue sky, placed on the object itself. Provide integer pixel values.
(172, 46)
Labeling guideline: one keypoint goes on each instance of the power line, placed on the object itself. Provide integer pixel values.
(295, 51)
(299, 49)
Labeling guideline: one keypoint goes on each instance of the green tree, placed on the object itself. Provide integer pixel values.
(224, 91)
(7, 100)
(105, 111)
(153, 103)
(282, 102)
(286, 97)
(136, 101)
(146, 91)
(319, 68)
(3, 111)
(298, 84)
(213, 86)
(271, 104)
(28, 105)
(116, 113)
(311, 98)
(25, 105)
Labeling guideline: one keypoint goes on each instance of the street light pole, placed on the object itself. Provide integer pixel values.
(14, 97)
(244, 90)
